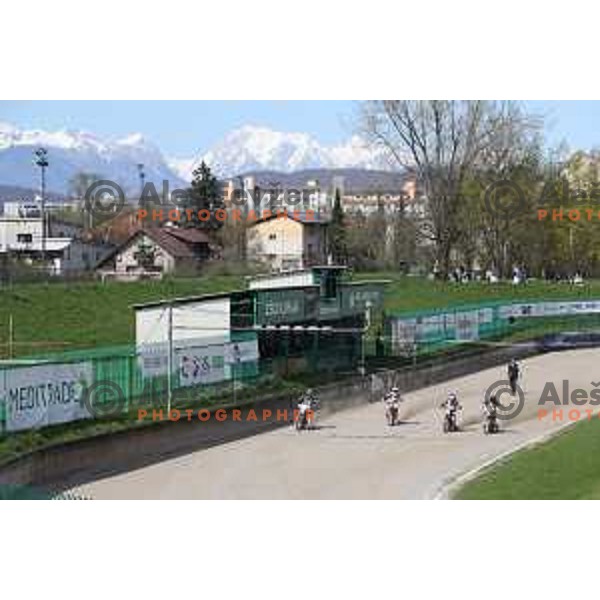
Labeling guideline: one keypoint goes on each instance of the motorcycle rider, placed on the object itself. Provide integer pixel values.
(452, 406)
(490, 410)
(392, 402)
(513, 374)
(490, 405)
(307, 405)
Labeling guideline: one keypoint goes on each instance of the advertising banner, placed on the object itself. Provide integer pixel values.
(467, 326)
(240, 352)
(44, 394)
(212, 364)
(201, 365)
(470, 325)
(403, 336)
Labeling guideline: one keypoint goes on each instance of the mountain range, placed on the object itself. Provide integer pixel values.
(244, 150)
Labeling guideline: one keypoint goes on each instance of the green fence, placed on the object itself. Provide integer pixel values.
(50, 389)
(429, 331)
(127, 378)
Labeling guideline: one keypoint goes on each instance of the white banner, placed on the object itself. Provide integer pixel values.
(201, 364)
(239, 352)
(467, 326)
(211, 364)
(404, 333)
(44, 394)
(549, 309)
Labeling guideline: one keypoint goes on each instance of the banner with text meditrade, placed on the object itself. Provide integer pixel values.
(41, 395)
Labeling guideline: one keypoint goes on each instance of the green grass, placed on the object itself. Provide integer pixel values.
(566, 467)
(416, 293)
(52, 317)
(56, 317)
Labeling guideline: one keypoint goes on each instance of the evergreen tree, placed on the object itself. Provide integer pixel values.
(337, 232)
(204, 195)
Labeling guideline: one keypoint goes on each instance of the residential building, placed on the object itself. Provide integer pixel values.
(65, 249)
(156, 251)
(388, 202)
(22, 238)
(289, 240)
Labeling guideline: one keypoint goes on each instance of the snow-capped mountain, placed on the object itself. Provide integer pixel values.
(73, 152)
(243, 150)
(252, 148)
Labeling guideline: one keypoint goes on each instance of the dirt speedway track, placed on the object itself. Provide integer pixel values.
(354, 454)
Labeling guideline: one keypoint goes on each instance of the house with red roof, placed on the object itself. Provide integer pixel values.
(152, 252)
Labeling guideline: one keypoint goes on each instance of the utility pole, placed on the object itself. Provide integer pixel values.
(41, 161)
(236, 355)
(10, 335)
(170, 360)
(363, 368)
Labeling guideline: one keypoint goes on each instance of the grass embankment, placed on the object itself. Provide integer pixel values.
(55, 317)
(415, 293)
(564, 468)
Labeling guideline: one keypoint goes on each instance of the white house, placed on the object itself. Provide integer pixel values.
(294, 241)
(156, 251)
(65, 248)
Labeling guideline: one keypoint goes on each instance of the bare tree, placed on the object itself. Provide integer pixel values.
(442, 142)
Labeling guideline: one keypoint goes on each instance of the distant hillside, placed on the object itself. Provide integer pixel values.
(15, 193)
(72, 152)
(355, 180)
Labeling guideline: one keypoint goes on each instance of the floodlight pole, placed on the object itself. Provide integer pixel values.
(41, 161)
(142, 176)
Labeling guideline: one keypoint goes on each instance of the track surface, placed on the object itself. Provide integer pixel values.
(354, 454)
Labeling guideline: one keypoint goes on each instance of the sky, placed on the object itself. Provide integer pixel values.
(185, 128)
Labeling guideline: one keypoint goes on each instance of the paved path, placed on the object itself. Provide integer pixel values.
(354, 454)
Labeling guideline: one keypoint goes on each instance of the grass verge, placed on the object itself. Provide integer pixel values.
(564, 468)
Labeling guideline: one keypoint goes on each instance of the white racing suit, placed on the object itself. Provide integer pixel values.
(307, 407)
(391, 402)
(490, 411)
(451, 406)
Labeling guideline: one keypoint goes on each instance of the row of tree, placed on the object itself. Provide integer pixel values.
(483, 175)
(485, 179)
